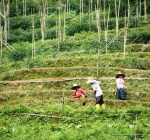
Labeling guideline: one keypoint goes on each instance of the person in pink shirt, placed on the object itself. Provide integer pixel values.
(79, 92)
(120, 86)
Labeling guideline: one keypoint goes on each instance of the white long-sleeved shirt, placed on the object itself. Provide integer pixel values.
(96, 87)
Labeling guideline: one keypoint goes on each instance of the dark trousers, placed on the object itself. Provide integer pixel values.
(99, 100)
(121, 94)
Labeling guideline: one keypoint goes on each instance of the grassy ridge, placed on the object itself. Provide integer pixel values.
(35, 94)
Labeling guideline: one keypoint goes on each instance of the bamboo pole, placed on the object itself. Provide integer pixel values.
(17, 8)
(105, 17)
(1, 48)
(106, 26)
(64, 33)
(24, 8)
(5, 22)
(117, 9)
(92, 9)
(33, 39)
(128, 13)
(7, 16)
(57, 41)
(80, 10)
(59, 21)
(59, 34)
(140, 13)
(67, 7)
(46, 8)
(103, 49)
(137, 10)
(63, 101)
(8, 46)
(135, 127)
(97, 4)
(43, 20)
(125, 35)
(99, 36)
(89, 16)
(145, 10)
(116, 17)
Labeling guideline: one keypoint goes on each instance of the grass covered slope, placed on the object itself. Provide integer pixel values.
(32, 104)
(73, 123)
(35, 93)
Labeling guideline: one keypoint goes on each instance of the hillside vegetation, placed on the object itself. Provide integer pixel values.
(51, 44)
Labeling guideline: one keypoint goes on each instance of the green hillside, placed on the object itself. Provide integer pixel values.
(48, 45)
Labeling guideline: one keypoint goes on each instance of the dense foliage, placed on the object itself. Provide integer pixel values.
(75, 124)
(35, 101)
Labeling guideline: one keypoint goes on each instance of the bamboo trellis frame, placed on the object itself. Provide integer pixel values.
(135, 134)
(145, 46)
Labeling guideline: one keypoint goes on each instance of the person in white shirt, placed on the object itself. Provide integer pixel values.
(98, 92)
(120, 86)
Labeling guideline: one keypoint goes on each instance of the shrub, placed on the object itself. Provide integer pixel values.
(22, 50)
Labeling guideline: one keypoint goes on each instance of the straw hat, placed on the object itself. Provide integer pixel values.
(120, 74)
(90, 81)
(75, 86)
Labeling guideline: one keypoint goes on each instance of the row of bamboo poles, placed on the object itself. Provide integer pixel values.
(63, 10)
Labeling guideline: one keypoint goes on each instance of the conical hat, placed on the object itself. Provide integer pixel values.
(75, 86)
(120, 74)
(90, 81)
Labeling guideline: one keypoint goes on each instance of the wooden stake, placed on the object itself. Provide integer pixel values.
(63, 101)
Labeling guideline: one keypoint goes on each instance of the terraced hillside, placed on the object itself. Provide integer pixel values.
(48, 83)
(35, 89)
(45, 93)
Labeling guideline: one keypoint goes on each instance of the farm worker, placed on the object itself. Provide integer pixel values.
(79, 92)
(97, 92)
(120, 86)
